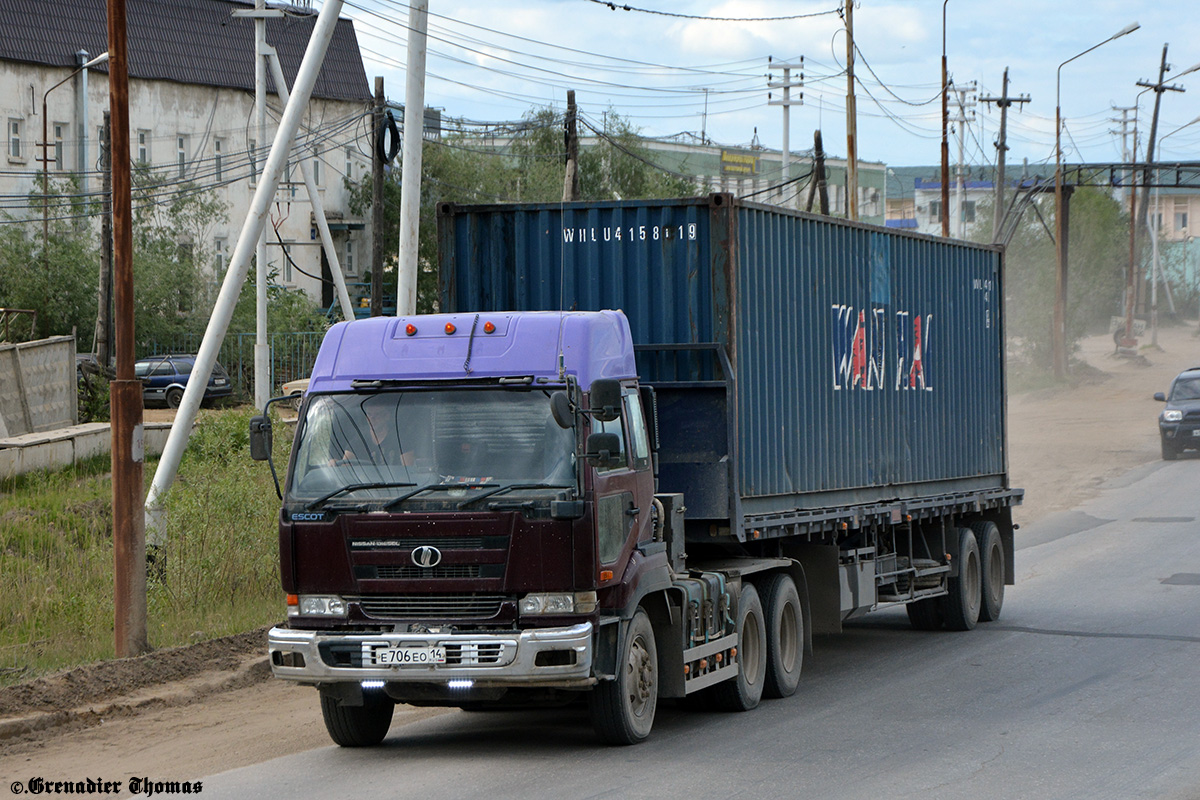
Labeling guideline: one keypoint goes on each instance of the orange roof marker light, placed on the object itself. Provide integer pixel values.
(450, 328)
(489, 327)
(410, 329)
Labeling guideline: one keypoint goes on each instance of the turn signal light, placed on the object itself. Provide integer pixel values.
(489, 327)
(450, 328)
(606, 574)
(718, 657)
(410, 329)
(733, 652)
(293, 599)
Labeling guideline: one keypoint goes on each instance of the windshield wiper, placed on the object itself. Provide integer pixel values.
(353, 487)
(504, 489)
(431, 487)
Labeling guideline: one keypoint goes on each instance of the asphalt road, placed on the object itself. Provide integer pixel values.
(1086, 687)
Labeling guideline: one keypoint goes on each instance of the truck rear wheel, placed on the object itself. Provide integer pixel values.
(622, 710)
(744, 692)
(358, 726)
(785, 635)
(964, 595)
(992, 569)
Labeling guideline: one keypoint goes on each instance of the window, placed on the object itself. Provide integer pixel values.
(1181, 214)
(14, 138)
(253, 162)
(613, 427)
(638, 440)
(348, 260)
(287, 262)
(316, 170)
(935, 210)
(221, 255)
(181, 143)
(349, 169)
(143, 147)
(218, 155)
(968, 210)
(60, 135)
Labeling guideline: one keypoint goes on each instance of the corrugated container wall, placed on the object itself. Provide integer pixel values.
(868, 362)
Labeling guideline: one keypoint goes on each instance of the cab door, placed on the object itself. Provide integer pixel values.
(624, 493)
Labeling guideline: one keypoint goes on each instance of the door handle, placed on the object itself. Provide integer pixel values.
(632, 511)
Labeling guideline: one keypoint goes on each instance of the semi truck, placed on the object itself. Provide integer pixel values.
(645, 451)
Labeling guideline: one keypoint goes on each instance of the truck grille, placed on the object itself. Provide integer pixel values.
(436, 606)
(390, 572)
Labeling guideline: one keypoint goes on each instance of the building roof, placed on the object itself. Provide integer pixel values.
(184, 41)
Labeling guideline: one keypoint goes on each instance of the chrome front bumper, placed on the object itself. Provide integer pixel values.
(489, 659)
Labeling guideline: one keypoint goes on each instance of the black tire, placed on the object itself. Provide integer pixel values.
(961, 604)
(358, 726)
(926, 615)
(174, 397)
(622, 710)
(992, 570)
(744, 692)
(1169, 453)
(785, 635)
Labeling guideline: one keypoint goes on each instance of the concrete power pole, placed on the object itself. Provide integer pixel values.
(1003, 102)
(851, 120)
(965, 104)
(787, 101)
(410, 175)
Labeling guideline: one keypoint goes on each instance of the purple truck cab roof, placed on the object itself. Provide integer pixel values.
(594, 344)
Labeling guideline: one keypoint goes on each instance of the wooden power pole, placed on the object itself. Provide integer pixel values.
(377, 153)
(851, 120)
(571, 132)
(1003, 102)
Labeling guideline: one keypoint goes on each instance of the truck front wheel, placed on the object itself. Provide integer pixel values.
(785, 635)
(622, 710)
(358, 726)
(744, 691)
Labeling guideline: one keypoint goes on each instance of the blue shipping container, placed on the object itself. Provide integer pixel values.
(861, 364)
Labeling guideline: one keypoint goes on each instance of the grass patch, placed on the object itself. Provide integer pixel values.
(217, 572)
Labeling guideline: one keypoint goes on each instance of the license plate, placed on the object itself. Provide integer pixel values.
(219, 382)
(408, 656)
(1196, 432)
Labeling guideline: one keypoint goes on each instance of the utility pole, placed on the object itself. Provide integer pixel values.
(571, 140)
(945, 129)
(964, 105)
(851, 120)
(410, 175)
(377, 203)
(818, 180)
(1003, 102)
(787, 102)
(128, 445)
(104, 304)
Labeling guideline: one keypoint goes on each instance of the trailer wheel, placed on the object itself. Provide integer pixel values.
(358, 726)
(785, 635)
(965, 592)
(622, 710)
(992, 569)
(926, 615)
(744, 691)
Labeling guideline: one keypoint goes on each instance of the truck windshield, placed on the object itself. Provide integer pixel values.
(447, 444)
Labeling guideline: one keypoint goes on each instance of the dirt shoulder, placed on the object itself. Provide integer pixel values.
(184, 713)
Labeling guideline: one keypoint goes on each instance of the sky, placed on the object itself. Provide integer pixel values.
(667, 72)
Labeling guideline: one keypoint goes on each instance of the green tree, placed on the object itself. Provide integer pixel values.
(528, 168)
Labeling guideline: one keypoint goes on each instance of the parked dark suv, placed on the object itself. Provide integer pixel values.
(165, 377)
(1179, 423)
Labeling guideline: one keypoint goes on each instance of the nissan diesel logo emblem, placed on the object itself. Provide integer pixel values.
(427, 556)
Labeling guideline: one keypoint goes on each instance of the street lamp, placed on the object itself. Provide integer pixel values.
(100, 59)
(1059, 333)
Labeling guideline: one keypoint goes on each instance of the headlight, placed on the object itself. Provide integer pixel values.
(317, 605)
(1173, 415)
(559, 603)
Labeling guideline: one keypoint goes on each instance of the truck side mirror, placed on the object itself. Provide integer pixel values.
(604, 450)
(605, 397)
(1160, 397)
(260, 437)
(560, 409)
